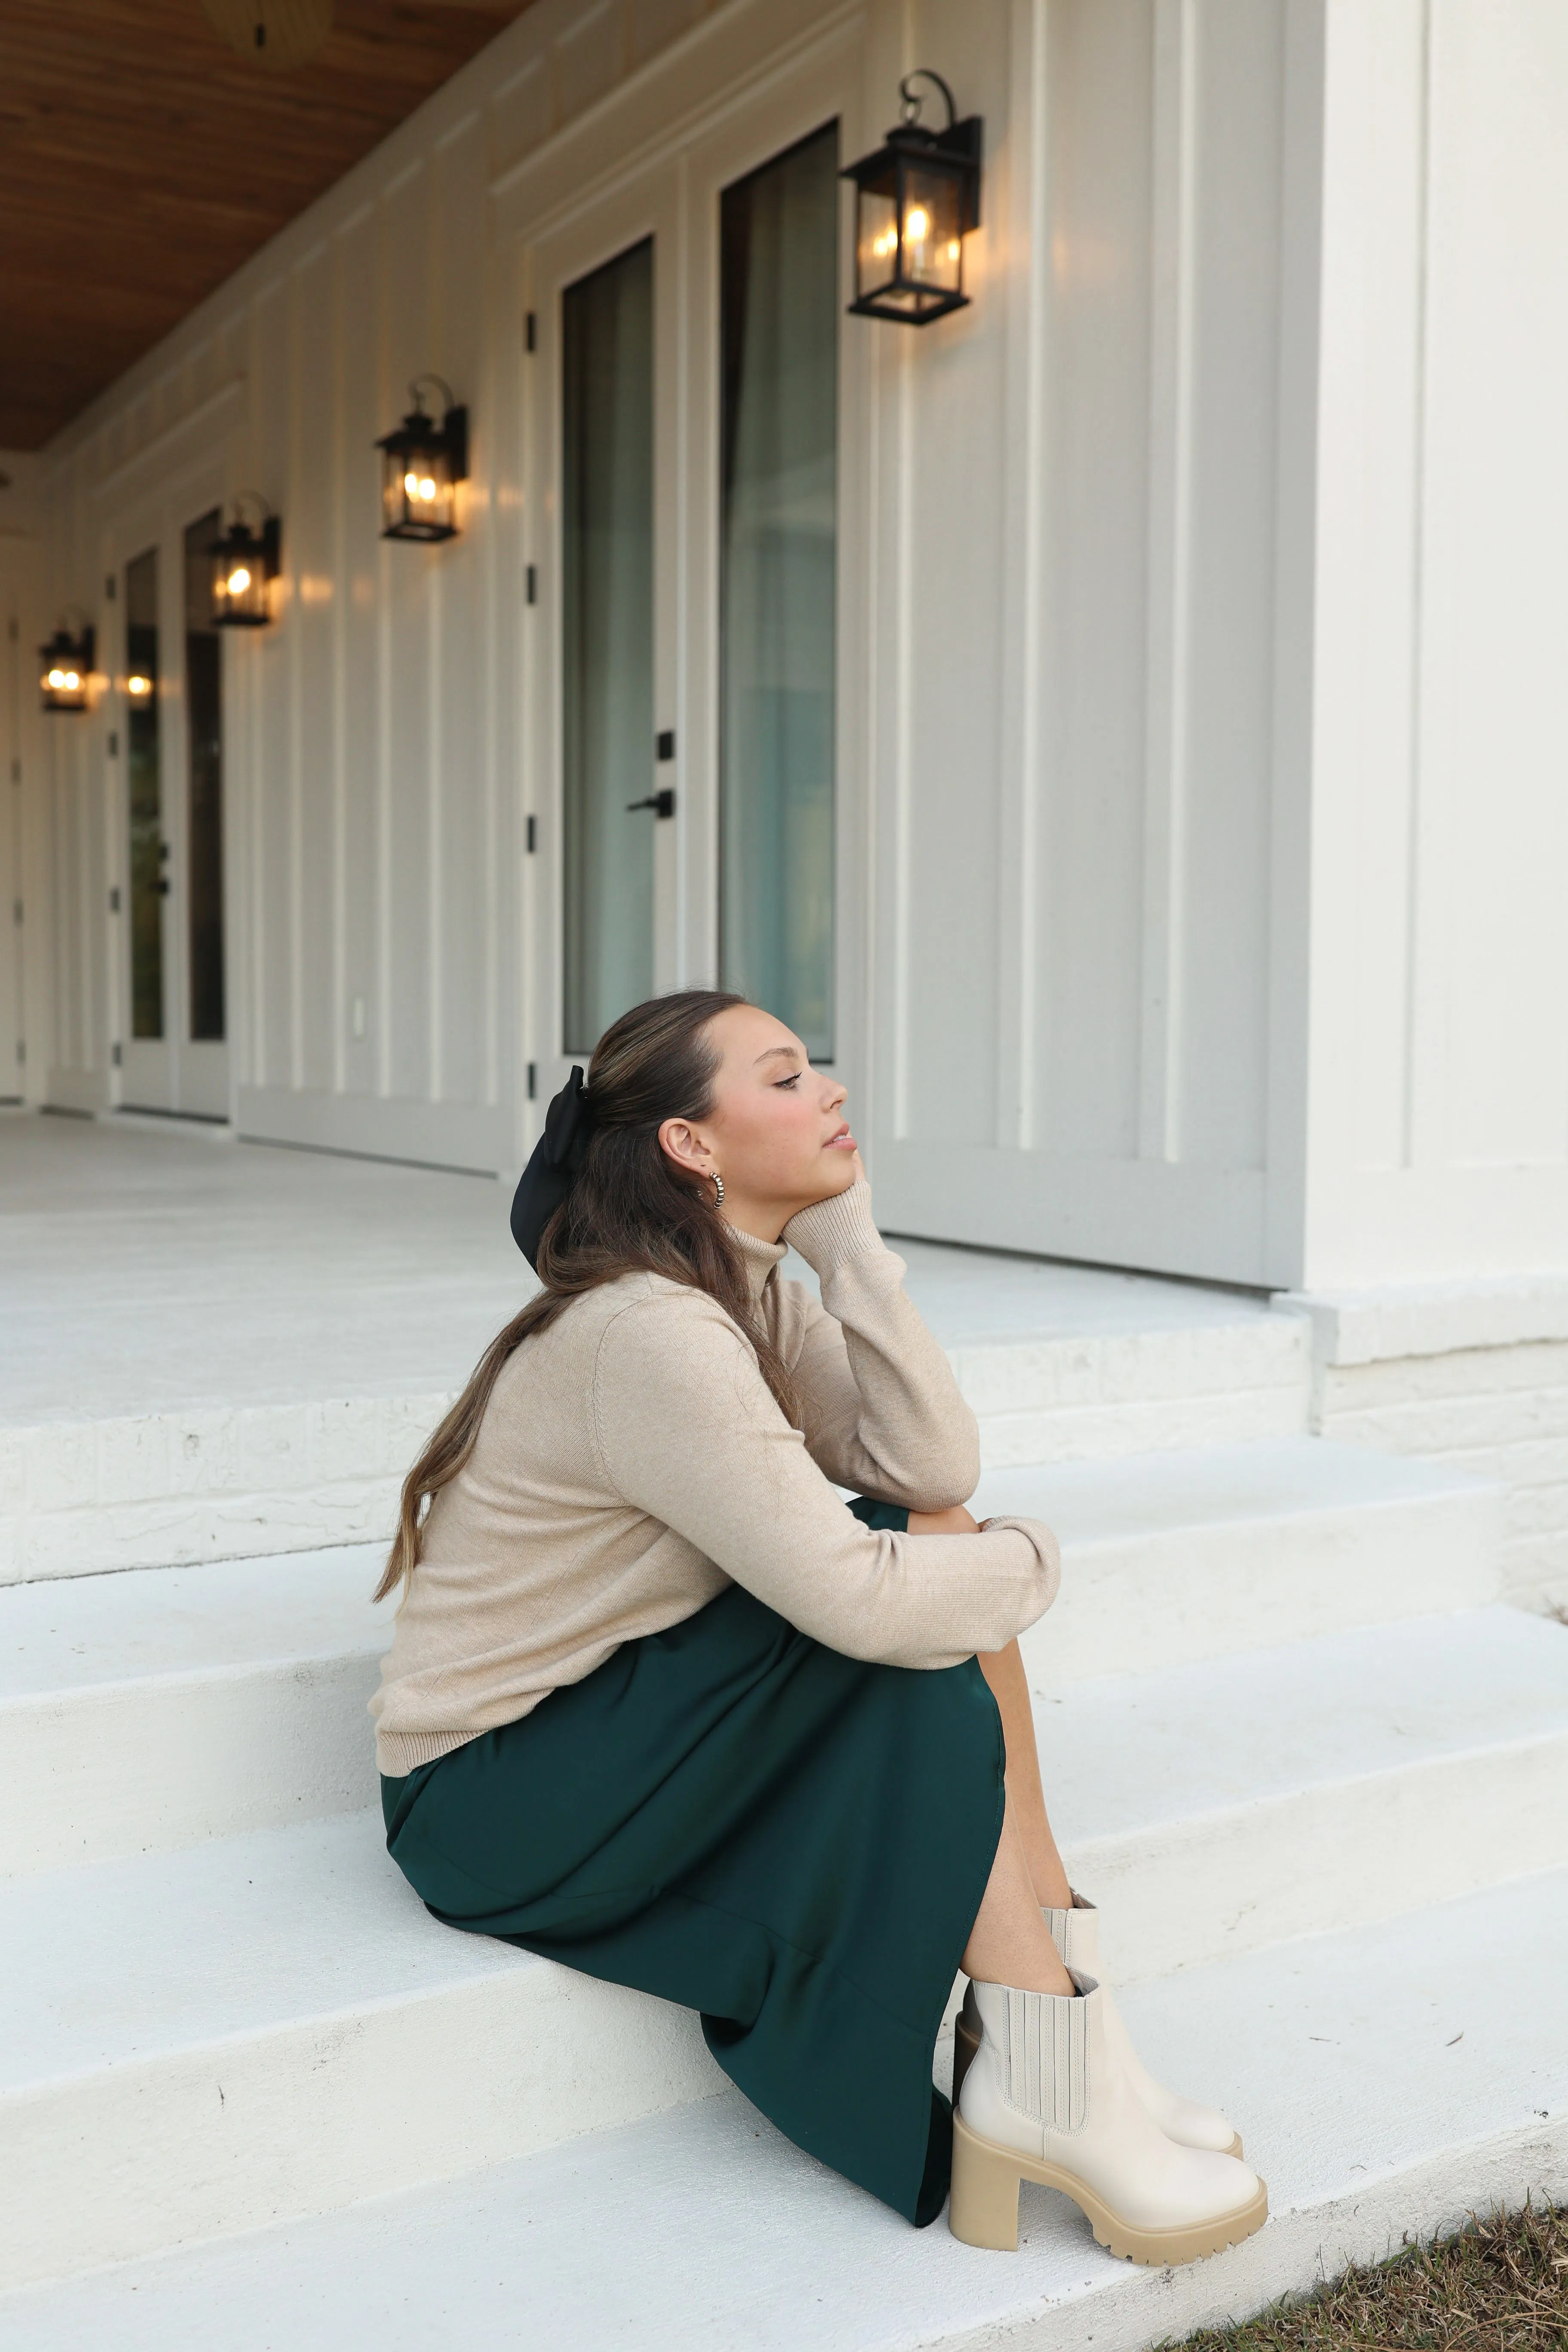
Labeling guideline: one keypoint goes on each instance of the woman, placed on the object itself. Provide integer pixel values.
(660, 1705)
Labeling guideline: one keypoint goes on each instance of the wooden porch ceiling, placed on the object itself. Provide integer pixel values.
(142, 161)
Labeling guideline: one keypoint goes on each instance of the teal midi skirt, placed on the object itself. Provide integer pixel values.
(734, 1817)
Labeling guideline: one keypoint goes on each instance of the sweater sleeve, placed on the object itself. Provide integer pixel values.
(883, 1413)
(686, 1430)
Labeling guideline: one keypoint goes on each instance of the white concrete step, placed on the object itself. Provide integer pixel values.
(219, 1481)
(199, 2041)
(147, 1709)
(1172, 1557)
(279, 1411)
(1240, 1802)
(1066, 1363)
(272, 2024)
(1389, 2080)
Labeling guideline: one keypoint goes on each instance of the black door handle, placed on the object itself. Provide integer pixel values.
(662, 803)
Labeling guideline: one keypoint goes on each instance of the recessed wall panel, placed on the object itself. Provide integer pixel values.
(1221, 881)
(407, 577)
(358, 1010)
(313, 560)
(1093, 642)
(268, 658)
(460, 783)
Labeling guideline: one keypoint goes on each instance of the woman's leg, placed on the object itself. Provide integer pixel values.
(1004, 1670)
(1009, 1943)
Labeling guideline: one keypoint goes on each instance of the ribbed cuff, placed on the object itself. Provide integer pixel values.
(1047, 1551)
(398, 1753)
(832, 1232)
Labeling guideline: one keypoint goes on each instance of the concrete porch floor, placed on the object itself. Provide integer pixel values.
(147, 1270)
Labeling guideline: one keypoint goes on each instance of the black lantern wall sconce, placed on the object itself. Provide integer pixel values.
(421, 465)
(916, 200)
(66, 673)
(246, 562)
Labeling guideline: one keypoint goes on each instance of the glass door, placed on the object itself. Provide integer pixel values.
(778, 567)
(203, 1054)
(606, 644)
(681, 690)
(599, 663)
(173, 1054)
(149, 1079)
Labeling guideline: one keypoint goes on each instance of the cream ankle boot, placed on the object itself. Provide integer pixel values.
(1076, 1934)
(1046, 2100)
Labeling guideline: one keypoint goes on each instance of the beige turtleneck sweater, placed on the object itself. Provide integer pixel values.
(632, 1464)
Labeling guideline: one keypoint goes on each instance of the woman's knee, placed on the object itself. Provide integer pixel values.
(955, 1522)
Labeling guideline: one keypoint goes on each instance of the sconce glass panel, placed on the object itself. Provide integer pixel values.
(65, 669)
(933, 258)
(876, 242)
(244, 563)
(421, 465)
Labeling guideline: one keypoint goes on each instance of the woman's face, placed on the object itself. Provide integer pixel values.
(776, 1133)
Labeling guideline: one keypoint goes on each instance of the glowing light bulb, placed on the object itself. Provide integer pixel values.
(238, 580)
(917, 228)
(427, 487)
(72, 680)
(140, 685)
(56, 677)
(953, 249)
(411, 485)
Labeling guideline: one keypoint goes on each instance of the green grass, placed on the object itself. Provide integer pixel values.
(1500, 2285)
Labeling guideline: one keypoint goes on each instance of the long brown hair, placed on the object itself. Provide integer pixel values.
(630, 1211)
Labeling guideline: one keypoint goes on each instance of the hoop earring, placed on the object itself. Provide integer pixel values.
(718, 1189)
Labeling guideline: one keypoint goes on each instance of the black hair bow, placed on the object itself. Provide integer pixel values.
(553, 1166)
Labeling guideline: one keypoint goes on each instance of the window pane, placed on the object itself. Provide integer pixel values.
(607, 643)
(779, 235)
(204, 844)
(148, 879)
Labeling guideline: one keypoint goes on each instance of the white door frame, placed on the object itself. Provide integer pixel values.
(646, 207)
(674, 195)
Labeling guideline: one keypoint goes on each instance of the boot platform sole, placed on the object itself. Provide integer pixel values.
(966, 2044)
(983, 2207)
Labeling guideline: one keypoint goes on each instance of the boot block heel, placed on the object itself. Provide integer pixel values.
(983, 2207)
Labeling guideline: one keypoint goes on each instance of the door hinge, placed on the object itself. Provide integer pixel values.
(531, 586)
(16, 771)
(113, 744)
(114, 1053)
(532, 1080)
(21, 1051)
(16, 910)
(533, 834)
(530, 332)
(12, 629)
(664, 743)
(114, 900)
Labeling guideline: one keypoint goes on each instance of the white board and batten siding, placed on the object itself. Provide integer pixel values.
(1092, 889)
(1438, 1119)
(1201, 828)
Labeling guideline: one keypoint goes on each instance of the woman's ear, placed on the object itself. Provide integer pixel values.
(680, 1141)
